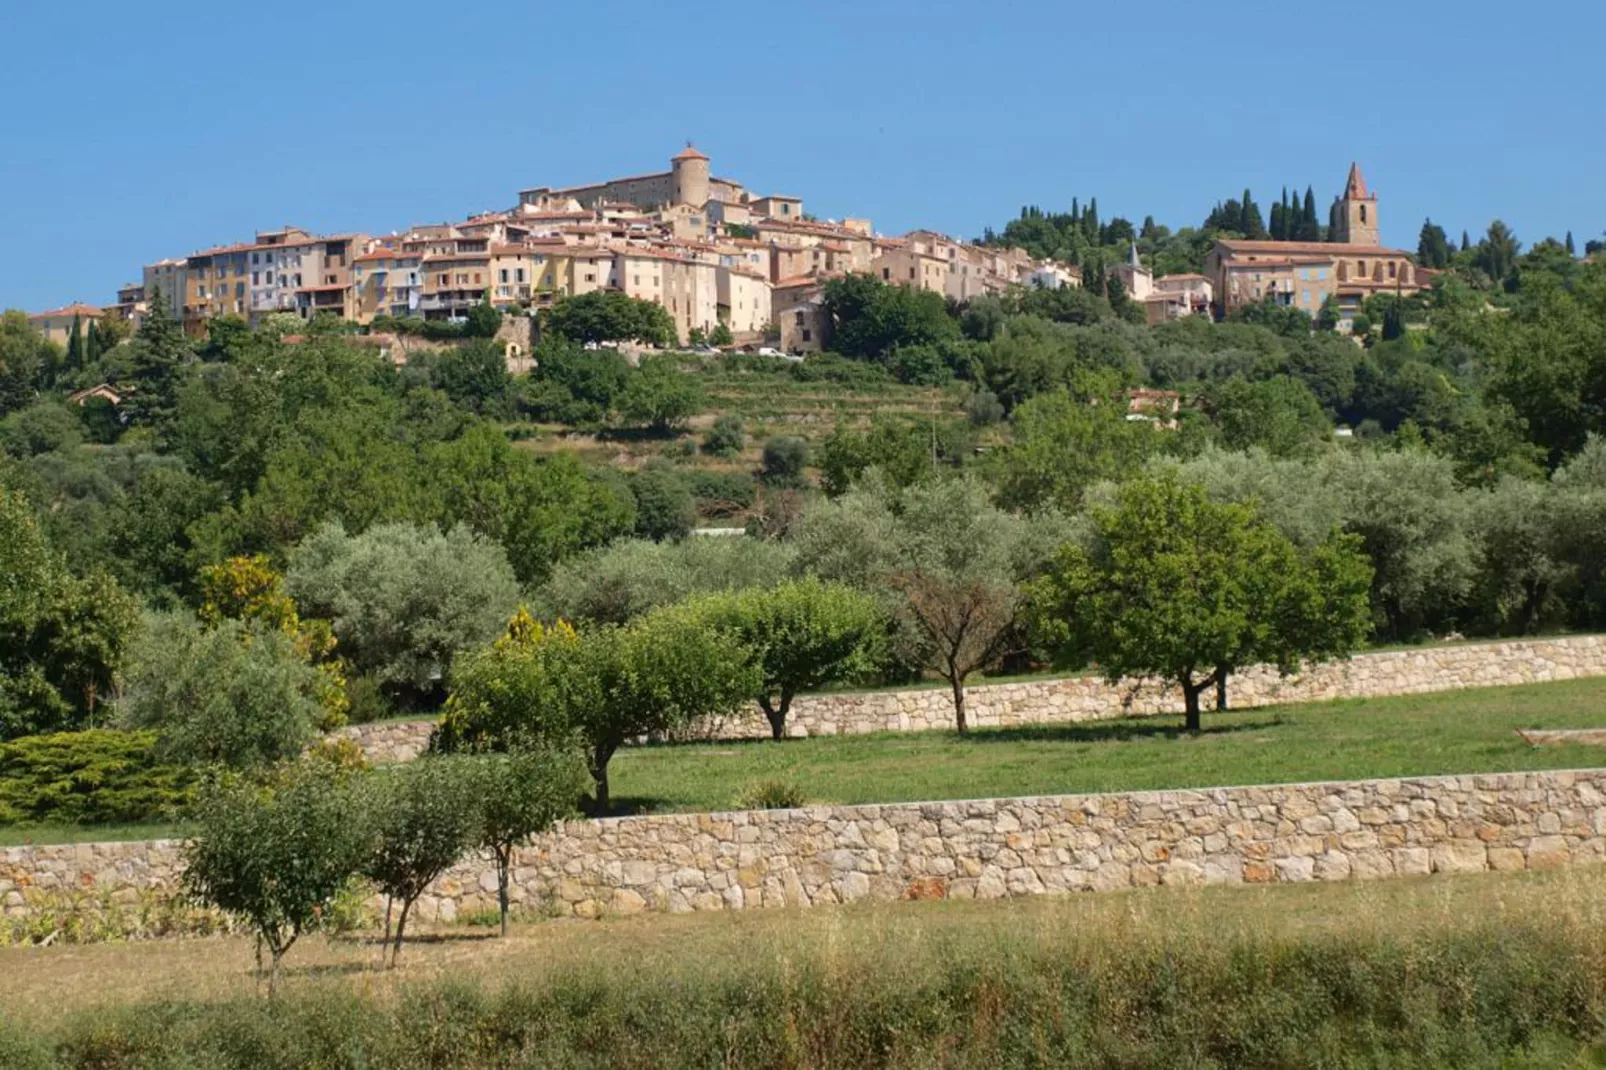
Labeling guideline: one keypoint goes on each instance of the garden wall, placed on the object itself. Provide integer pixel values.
(1392, 672)
(987, 849)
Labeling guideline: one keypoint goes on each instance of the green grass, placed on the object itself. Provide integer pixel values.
(1468, 731)
(18, 835)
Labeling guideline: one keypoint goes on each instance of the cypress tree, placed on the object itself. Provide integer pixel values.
(1466, 242)
(1310, 227)
(75, 345)
(1568, 244)
(1092, 228)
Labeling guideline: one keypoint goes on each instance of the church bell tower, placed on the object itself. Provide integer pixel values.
(1356, 214)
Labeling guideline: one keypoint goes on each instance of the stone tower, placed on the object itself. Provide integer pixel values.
(1356, 214)
(690, 171)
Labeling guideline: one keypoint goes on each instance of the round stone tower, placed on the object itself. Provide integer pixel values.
(689, 168)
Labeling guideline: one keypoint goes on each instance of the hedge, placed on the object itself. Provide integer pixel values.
(88, 778)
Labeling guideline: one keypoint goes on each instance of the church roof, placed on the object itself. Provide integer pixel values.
(1306, 248)
(689, 153)
(1355, 188)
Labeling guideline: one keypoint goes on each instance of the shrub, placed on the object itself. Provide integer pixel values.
(726, 437)
(771, 794)
(784, 459)
(721, 494)
(90, 778)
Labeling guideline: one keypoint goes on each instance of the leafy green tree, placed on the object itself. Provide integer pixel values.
(784, 459)
(1497, 253)
(1064, 442)
(24, 354)
(44, 427)
(404, 599)
(1280, 415)
(627, 578)
(62, 637)
(726, 437)
(475, 376)
(483, 320)
(610, 316)
(575, 385)
(424, 816)
(661, 396)
(521, 794)
(75, 346)
(1433, 246)
(869, 319)
(665, 508)
(1177, 586)
(276, 856)
(720, 335)
(233, 694)
(805, 634)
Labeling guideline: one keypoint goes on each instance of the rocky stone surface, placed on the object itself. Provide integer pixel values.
(1595, 737)
(983, 849)
(1393, 672)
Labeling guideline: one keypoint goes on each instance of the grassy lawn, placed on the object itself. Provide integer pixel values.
(1469, 731)
(1488, 970)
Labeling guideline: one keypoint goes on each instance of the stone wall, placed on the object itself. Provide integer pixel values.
(1393, 672)
(985, 849)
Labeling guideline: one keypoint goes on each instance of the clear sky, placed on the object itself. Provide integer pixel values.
(137, 131)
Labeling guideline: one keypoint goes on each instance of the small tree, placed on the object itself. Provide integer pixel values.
(661, 396)
(1178, 586)
(425, 816)
(721, 334)
(521, 794)
(804, 634)
(277, 855)
(652, 676)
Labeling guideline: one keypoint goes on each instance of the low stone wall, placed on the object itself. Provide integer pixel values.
(985, 849)
(1392, 672)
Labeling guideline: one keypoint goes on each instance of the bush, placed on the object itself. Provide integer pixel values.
(726, 437)
(772, 794)
(628, 578)
(784, 459)
(99, 777)
(721, 494)
(366, 700)
(835, 368)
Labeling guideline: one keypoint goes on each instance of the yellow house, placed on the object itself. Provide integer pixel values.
(57, 324)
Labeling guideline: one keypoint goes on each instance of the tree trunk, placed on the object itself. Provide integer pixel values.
(958, 684)
(1221, 687)
(504, 864)
(600, 756)
(273, 971)
(776, 715)
(1190, 697)
(401, 926)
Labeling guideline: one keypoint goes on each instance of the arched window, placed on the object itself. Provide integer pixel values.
(1363, 213)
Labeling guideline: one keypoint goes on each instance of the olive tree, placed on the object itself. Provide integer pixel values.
(1174, 585)
(632, 576)
(237, 693)
(404, 599)
(276, 855)
(425, 815)
(804, 634)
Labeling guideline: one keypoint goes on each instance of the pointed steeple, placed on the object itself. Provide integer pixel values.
(1134, 260)
(1355, 188)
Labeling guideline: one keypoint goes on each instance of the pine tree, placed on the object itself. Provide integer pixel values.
(1250, 222)
(75, 345)
(157, 365)
(1115, 290)
(1572, 250)
(1149, 230)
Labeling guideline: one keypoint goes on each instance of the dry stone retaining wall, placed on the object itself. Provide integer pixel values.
(986, 849)
(1393, 672)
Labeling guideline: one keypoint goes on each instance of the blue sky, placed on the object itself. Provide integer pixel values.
(140, 131)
